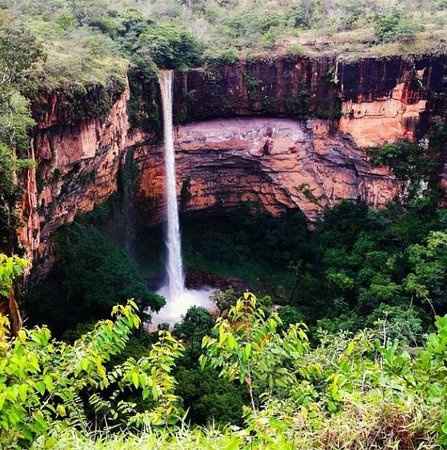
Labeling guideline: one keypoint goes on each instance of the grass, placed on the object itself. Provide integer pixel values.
(183, 439)
(91, 51)
(81, 56)
(352, 45)
(359, 426)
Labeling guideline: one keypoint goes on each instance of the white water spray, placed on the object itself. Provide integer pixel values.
(179, 299)
(174, 265)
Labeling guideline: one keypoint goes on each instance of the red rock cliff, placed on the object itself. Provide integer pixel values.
(301, 142)
(76, 169)
(278, 163)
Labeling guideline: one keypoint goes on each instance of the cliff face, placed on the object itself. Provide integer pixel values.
(278, 163)
(299, 140)
(76, 169)
(375, 100)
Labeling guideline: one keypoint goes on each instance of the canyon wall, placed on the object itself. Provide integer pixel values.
(375, 100)
(288, 132)
(76, 169)
(275, 162)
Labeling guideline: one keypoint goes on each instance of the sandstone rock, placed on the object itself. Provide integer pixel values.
(299, 146)
(77, 168)
(221, 163)
(384, 120)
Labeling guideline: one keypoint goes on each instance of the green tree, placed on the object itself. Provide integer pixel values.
(19, 52)
(426, 280)
(414, 164)
(196, 324)
(88, 11)
(92, 276)
(393, 26)
(169, 46)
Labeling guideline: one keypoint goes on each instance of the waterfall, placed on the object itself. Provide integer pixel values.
(174, 265)
(179, 299)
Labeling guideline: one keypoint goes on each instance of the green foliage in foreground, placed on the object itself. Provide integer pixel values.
(206, 397)
(356, 392)
(44, 382)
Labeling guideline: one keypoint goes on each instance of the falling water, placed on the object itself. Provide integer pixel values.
(174, 265)
(178, 299)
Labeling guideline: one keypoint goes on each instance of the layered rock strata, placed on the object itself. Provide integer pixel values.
(277, 163)
(288, 132)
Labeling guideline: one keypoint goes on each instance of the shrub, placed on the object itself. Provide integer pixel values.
(290, 315)
(295, 49)
(169, 46)
(397, 323)
(361, 381)
(392, 27)
(221, 56)
(197, 323)
(10, 269)
(345, 392)
(44, 382)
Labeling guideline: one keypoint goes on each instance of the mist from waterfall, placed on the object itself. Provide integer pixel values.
(178, 299)
(174, 264)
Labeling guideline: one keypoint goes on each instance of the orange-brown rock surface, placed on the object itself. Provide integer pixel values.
(288, 132)
(76, 169)
(383, 120)
(278, 163)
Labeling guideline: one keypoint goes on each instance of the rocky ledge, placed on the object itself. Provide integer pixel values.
(278, 163)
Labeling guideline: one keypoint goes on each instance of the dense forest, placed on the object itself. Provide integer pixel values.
(330, 335)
